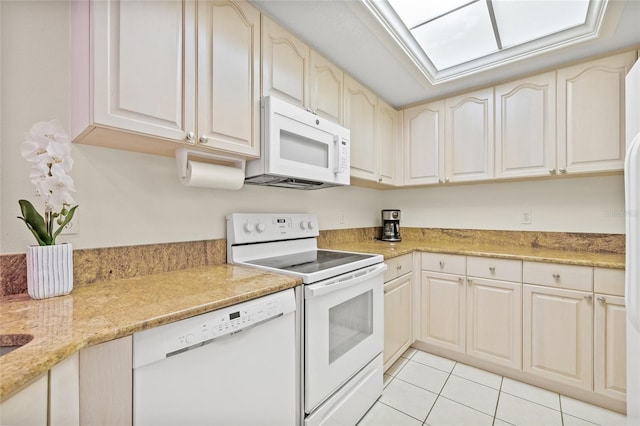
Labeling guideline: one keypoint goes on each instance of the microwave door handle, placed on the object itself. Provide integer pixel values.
(336, 154)
(352, 279)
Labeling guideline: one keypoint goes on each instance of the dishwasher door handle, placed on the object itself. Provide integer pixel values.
(351, 279)
(223, 336)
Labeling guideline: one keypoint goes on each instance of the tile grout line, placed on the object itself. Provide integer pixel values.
(495, 412)
(439, 392)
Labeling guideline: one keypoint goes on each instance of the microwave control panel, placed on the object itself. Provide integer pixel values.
(244, 228)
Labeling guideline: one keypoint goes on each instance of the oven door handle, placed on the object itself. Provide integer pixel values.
(351, 279)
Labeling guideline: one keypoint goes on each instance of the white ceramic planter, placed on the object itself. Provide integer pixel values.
(49, 270)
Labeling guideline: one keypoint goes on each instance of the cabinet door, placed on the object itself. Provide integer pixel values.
(525, 132)
(424, 144)
(229, 76)
(557, 335)
(144, 67)
(360, 106)
(494, 321)
(28, 407)
(591, 122)
(327, 92)
(106, 386)
(610, 347)
(443, 310)
(64, 392)
(386, 142)
(397, 318)
(285, 64)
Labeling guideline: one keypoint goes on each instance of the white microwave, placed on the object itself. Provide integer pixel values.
(298, 149)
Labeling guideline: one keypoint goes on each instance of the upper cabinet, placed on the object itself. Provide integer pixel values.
(373, 126)
(469, 137)
(424, 144)
(297, 74)
(525, 131)
(591, 135)
(138, 90)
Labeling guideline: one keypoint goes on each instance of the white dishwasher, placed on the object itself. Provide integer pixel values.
(233, 366)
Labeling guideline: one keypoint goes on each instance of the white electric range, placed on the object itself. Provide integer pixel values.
(340, 311)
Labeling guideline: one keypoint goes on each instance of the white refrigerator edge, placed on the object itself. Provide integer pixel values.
(632, 269)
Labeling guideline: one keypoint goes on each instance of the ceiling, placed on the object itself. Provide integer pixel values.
(346, 33)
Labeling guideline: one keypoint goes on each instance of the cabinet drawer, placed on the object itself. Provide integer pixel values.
(608, 281)
(447, 263)
(497, 269)
(556, 275)
(397, 266)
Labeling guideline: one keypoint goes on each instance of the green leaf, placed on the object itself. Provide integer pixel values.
(35, 222)
(67, 219)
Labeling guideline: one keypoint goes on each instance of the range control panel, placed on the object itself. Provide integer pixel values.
(243, 228)
(214, 326)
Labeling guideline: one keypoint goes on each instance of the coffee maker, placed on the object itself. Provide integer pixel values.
(390, 225)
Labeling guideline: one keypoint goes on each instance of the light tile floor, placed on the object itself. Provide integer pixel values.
(424, 389)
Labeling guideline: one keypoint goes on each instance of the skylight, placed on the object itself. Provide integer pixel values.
(448, 39)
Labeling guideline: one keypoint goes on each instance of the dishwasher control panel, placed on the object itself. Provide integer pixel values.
(187, 334)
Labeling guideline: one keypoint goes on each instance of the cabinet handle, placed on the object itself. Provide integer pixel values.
(588, 297)
(190, 136)
(441, 264)
(379, 179)
(556, 276)
(552, 171)
(399, 268)
(492, 269)
(562, 171)
(460, 280)
(446, 180)
(203, 139)
(602, 299)
(440, 180)
(469, 281)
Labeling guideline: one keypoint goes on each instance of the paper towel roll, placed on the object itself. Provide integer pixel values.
(205, 175)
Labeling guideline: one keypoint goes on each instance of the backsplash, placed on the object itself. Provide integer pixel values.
(104, 264)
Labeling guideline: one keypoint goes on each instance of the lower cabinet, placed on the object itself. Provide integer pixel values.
(610, 347)
(398, 308)
(557, 331)
(27, 407)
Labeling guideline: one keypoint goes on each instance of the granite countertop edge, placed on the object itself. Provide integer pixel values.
(112, 309)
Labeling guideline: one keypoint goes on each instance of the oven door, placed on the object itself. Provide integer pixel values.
(343, 330)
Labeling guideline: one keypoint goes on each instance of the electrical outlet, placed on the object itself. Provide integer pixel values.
(72, 227)
(525, 218)
(342, 217)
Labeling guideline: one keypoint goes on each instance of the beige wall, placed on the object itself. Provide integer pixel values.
(128, 199)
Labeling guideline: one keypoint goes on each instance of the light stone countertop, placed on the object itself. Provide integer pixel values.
(108, 310)
(93, 314)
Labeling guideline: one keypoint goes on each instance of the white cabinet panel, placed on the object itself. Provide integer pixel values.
(525, 132)
(443, 309)
(469, 145)
(398, 330)
(360, 118)
(64, 392)
(386, 142)
(28, 407)
(424, 144)
(610, 347)
(327, 93)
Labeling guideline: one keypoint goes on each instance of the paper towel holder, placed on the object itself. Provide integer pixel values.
(182, 156)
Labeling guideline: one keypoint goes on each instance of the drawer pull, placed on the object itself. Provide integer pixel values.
(588, 297)
(469, 281)
(460, 280)
(442, 264)
(492, 269)
(602, 299)
(556, 276)
(399, 267)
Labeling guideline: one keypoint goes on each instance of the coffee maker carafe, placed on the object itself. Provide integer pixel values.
(390, 225)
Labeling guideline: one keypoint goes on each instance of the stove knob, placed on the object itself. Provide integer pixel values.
(248, 227)
(310, 225)
(260, 227)
(303, 225)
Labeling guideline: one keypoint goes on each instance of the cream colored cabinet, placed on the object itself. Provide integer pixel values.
(138, 93)
(469, 144)
(285, 64)
(398, 315)
(361, 111)
(525, 127)
(29, 406)
(385, 139)
(106, 387)
(558, 323)
(294, 72)
(229, 77)
(327, 89)
(591, 122)
(64, 392)
(494, 310)
(610, 334)
(443, 301)
(423, 141)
